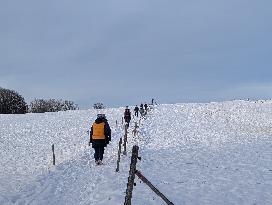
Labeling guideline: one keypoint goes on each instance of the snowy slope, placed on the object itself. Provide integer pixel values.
(215, 153)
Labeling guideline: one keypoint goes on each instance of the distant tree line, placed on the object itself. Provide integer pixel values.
(51, 105)
(13, 103)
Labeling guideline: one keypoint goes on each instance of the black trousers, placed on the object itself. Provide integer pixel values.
(98, 153)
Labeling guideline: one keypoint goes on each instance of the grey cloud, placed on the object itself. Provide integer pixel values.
(126, 51)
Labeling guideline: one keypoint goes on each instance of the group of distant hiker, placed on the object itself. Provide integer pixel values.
(143, 110)
(100, 134)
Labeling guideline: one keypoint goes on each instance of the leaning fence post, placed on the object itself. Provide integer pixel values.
(119, 152)
(53, 150)
(131, 176)
(135, 129)
(125, 141)
(148, 183)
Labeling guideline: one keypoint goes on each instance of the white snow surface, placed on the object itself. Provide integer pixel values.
(212, 153)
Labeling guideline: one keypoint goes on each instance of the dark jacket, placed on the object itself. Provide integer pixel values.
(127, 115)
(145, 106)
(107, 133)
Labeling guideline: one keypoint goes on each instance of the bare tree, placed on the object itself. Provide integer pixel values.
(98, 106)
(11, 102)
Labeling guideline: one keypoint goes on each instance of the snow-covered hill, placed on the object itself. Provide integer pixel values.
(214, 153)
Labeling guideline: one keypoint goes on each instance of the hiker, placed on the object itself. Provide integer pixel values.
(141, 106)
(100, 136)
(142, 110)
(127, 115)
(152, 101)
(146, 107)
(136, 111)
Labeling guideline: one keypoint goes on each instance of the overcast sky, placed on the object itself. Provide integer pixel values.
(123, 52)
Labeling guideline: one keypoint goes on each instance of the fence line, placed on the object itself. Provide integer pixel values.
(133, 170)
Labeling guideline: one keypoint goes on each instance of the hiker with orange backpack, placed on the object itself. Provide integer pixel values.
(100, 136)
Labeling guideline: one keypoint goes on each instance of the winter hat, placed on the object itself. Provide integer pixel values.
(101, 116)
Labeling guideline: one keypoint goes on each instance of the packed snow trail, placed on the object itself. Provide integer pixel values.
(75, 179)
(214, 153)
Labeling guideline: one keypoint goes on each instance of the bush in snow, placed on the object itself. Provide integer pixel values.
(11, 102)
(98, 106)
(51, 105)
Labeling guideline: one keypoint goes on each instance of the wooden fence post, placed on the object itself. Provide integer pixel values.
(148, 183)
(125, 141)
(131, 176)
(54, 158)
(119, 153)
(135, 131)
(126, 129)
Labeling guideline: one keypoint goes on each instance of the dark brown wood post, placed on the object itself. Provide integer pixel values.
(148, 183)
(119, 153)
(54, 158)
(125, 140)
(135, 131)
(131, 176)
(126, 129)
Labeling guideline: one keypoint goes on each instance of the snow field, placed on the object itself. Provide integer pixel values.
(214, 153)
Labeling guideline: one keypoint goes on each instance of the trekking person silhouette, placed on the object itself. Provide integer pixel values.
(127, 116)
(100, 136)
(142, 110)
(136, 111)
(146, 107)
